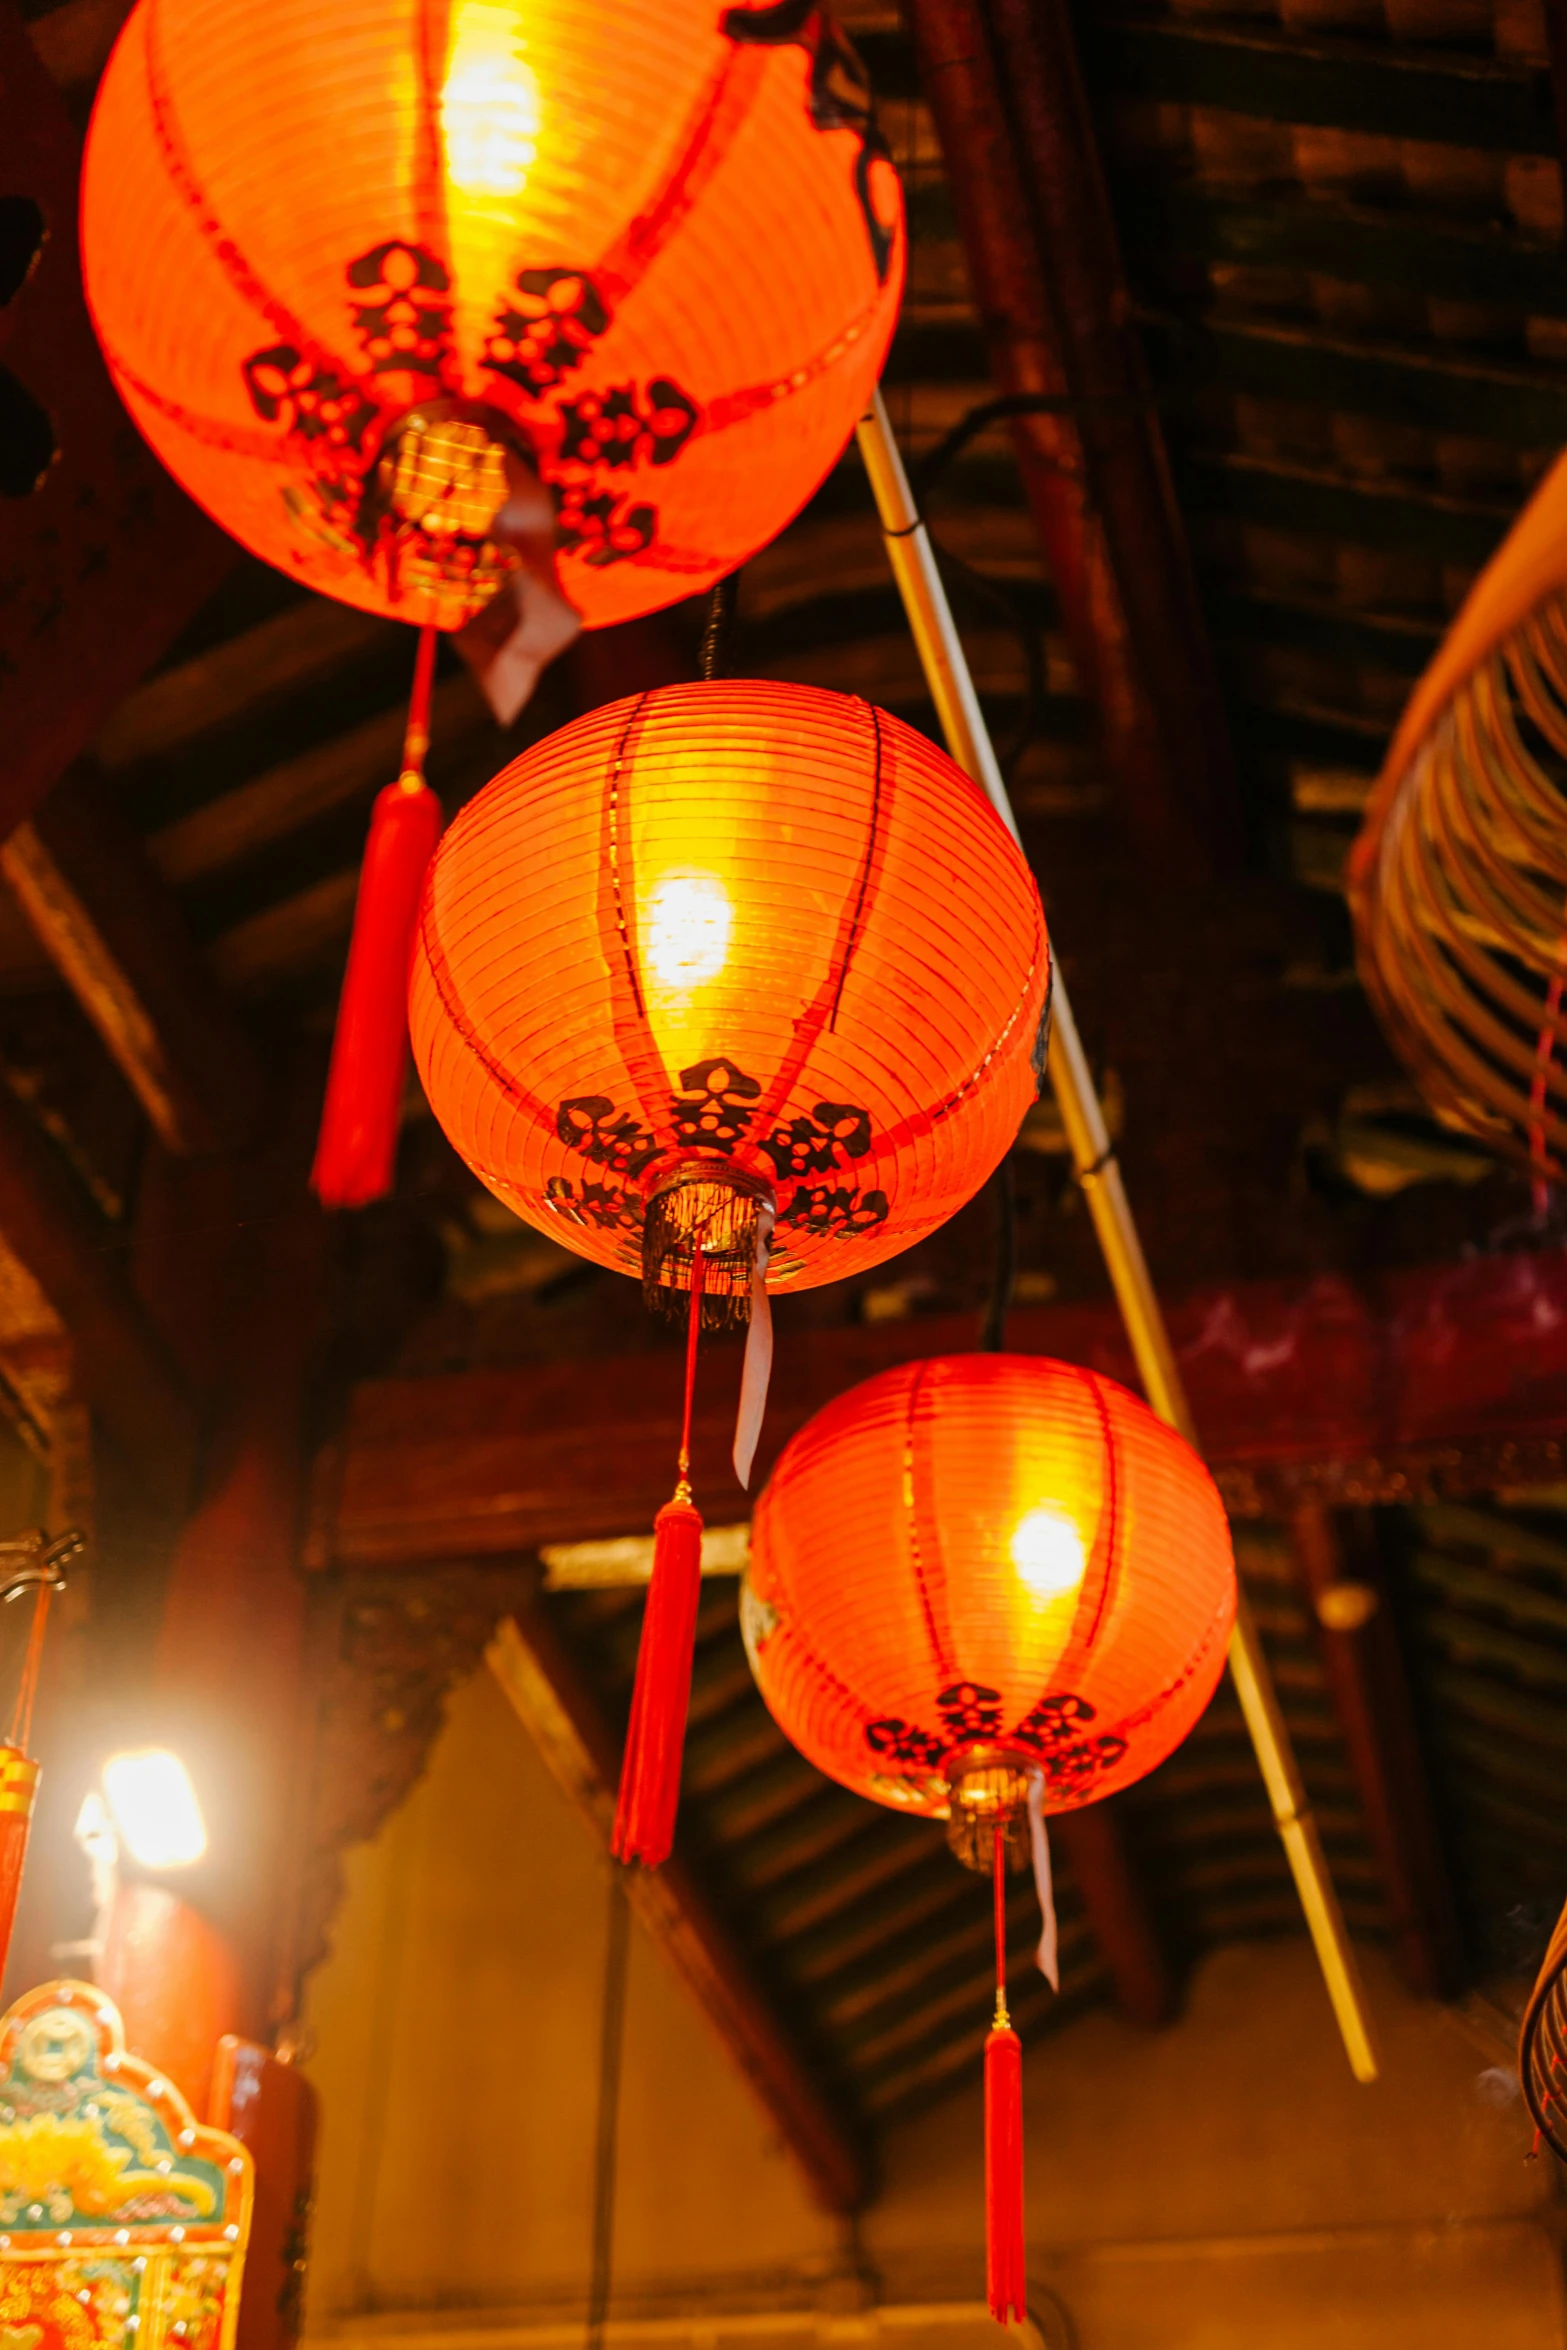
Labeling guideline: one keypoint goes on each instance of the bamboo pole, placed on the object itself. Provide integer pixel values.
(962, 722)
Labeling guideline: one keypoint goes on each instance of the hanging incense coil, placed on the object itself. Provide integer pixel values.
(1542, 2045)
(1458, 882)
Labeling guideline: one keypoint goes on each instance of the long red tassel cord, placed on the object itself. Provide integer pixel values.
(1004, 2279)
(19, 1775)
(357, 1144)
(655, 1740)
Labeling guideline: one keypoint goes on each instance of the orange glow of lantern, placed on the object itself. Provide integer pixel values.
(353, 266)
(988, 1552)
(980, 1588)
(738, 986)
(725, 947)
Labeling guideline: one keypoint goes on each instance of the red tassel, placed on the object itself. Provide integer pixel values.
(1004, 2280)
(357, 1144)
(650, 1774)
(655, 1740)
(1004, 2176)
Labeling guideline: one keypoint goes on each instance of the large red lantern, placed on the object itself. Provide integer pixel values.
(723, 949)
(740, 984)
(982, 1586)
(351, 264)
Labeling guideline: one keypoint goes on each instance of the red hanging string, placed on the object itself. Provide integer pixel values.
(655, 1739)
(357, 1145)
(1004, 2265)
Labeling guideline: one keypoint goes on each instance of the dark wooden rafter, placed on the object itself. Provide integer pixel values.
(1555, 14)
(1450, 1378)
(105, 560)
(120, 943)
(1347, 1592)
(120, 1367)
(1002, 82)
(555, 1704)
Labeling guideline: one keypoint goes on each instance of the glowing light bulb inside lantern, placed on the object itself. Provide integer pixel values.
(154, 1808)
(489, 103)
(490, 121)
(1047, 1551)
(685, 948)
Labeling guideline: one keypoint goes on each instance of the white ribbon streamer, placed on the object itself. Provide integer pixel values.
(758, 1366)
(1044, 1885)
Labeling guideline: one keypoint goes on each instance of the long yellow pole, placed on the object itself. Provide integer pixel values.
(962, 722)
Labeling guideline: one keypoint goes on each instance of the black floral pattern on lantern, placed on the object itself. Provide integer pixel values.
(600, 525)
(710, 1111)
(1069, 1764)
(404, 322)
(830, 1211)
(597, 1206)
(970, 1710)
(839, 92)
(548, 331)
(810, 1146)
(623, 426)
(606, 1137)
(311, 402)
(905, 1742)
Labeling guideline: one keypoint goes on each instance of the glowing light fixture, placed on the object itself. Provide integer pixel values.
(1047, 1551)
(154, 1808)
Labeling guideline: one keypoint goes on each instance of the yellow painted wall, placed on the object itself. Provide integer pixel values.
(1223, 2185)
(456, 2030)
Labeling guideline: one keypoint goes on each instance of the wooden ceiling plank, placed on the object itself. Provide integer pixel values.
(1002, 82)
(1394, 90)
(105, 561)
(554, 1703)
(120, 1368)
(230, 684)
(1440, 1379)
(239, 823)
(120, 944)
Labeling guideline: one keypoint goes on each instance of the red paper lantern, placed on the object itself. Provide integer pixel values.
(726, 950)
(981, 1556)
(978, 1585)
(349, 263)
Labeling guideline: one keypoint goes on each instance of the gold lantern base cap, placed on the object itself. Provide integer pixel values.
(703, 1198)
(989, 1790)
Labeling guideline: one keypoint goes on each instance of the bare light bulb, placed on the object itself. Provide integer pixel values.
(689, 922)
(155, 1808)
(1047, 1551)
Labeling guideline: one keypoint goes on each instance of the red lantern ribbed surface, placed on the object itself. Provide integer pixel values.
(987, 1553)
(721, 942)
(343, 259)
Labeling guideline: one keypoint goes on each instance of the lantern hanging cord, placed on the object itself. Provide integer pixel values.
(998, 1873)
(416, 735)
(720, 626)
(693, 1334)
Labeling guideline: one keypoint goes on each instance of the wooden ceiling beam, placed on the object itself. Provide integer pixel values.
(1352, 1610)
(1002, 82)
(553, 1702)
(119, 1366)
(1446, 1379)
(119, 942)
(105, 561)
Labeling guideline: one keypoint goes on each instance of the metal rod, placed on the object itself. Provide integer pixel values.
(962, 722)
